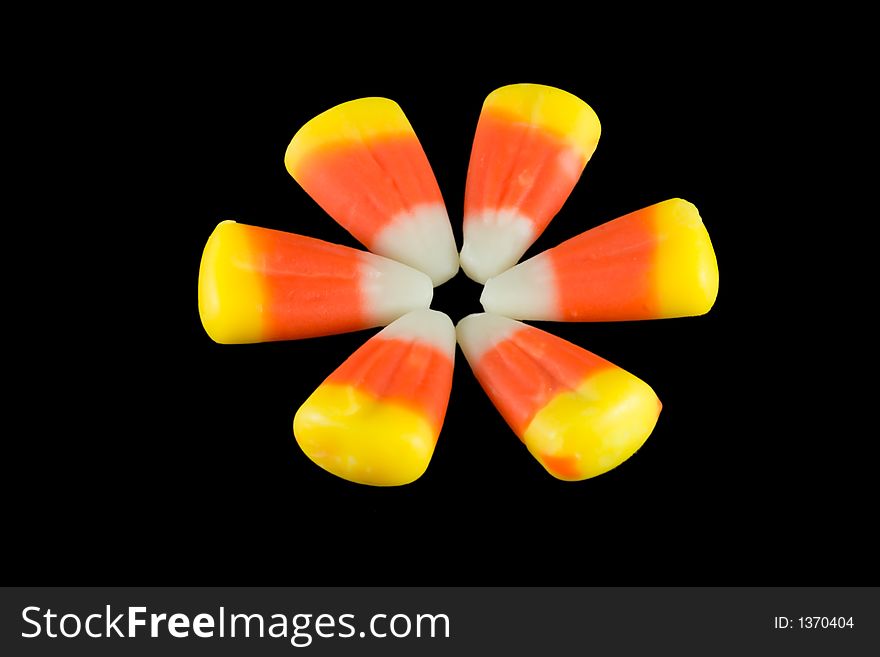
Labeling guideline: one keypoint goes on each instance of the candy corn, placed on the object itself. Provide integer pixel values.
(578, 415)
(362, 162)
(654, 263)
(376, 419)
(258, 285)
(531, 145)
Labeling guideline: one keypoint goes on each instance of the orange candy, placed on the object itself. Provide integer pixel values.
(654, 263)
(531, 144)
(259, 285)
(377, 418)
(362, 162)
(578, 414)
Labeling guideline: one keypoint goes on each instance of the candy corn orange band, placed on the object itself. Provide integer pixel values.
(411, 374)
(563, 366)
(361, 173)
(654, 263)
(376, 419)
(578, 414)
(257, 285)
(547, 168)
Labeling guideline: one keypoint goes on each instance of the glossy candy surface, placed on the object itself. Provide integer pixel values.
(362, 162)
(578, 415)
(376, 419)
(260, 285)
(531, 145)
(654, 263)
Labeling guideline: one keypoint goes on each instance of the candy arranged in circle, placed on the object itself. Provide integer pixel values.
(578, 415)
(260, 285)
(531, 145)
(362, 162)
(654, 263)
(376, 419)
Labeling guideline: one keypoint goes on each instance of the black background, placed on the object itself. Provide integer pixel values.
(159, 456)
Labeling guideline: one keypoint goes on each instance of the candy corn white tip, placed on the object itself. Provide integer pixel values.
(526, 291)
(494, 242)
(421, 238)
(429, 326)
(393, 289)
(479, 332)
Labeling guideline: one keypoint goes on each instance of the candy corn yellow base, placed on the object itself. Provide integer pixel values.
(230, 292)
(552, 109)
(362, 119)
(363, 439)
(586, 432)
(687, 271)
